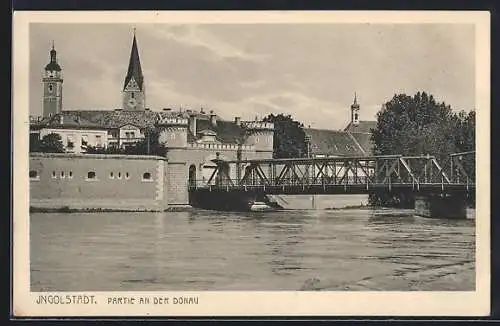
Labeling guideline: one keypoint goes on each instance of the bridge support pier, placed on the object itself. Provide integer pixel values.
(441, 206)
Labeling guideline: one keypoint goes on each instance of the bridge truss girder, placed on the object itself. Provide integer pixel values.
(375, 170)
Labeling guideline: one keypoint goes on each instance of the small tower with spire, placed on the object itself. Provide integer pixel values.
(52, 86)
(134, 90)
(355, 111)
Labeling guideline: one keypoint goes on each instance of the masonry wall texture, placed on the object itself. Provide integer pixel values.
(98, 181)
(180, 160)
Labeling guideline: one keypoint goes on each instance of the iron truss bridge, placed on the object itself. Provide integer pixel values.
(343, 175)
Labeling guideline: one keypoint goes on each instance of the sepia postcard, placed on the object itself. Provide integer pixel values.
(269, 163)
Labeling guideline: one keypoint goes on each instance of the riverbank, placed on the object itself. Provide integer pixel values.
(66, 209)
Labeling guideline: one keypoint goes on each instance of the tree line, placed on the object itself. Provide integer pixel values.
(407, 125)
(419, 125)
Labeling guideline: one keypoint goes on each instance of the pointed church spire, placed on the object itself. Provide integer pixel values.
(355, 103)
(134, 66)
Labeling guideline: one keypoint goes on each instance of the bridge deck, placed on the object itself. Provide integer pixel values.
(353, 189)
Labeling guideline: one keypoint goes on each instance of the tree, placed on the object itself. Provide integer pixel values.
(289, 137)
(418, 125)
(51, 143)
(465, 140)
(34, 143)
(150, 145)
(415, 125)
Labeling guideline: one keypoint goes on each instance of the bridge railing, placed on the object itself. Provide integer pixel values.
(310, 182)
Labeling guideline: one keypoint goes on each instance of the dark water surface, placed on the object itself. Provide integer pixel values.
(352, 249)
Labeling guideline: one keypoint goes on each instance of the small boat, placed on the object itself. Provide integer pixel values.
(260, 206)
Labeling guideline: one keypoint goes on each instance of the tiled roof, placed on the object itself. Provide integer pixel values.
(116, 119)
(68, 120)
(364, 140)
(227, 131)
(105, 119)
(363, 126)
(332, 142)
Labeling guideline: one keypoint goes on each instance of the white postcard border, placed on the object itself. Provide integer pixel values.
(265, 303)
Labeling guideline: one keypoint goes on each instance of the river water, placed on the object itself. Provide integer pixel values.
(350, 249)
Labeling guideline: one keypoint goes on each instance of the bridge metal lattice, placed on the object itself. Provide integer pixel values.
(342, 175)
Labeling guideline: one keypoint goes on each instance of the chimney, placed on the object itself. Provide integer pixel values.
(237, 120)
(192, 124)
(213, 119)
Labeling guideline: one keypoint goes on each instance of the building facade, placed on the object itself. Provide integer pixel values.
(193, 138)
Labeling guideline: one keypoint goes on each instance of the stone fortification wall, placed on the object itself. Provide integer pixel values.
(95, 181)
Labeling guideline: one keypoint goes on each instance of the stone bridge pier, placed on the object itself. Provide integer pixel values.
(452, 206)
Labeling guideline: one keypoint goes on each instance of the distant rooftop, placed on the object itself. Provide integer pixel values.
(363, 126)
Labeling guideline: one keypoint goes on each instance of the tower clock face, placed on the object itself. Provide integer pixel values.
(132, 103)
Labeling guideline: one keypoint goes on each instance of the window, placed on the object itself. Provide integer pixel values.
(62, 174)
(98, 140)
(70, 175)
(146, 176)
(172, 136)
(85, 140)
(119, 175)
(111, 175)
(51, 87)
(132, 94)
(132, 134)
(54, 174)
(127, 176)
(71, 144)
(91, 175)
(34, 175)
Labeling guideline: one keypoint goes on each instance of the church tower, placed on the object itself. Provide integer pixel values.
(134, 97)
(355, 112)
(52, 86)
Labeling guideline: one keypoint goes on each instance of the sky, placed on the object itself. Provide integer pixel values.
(310, 71)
